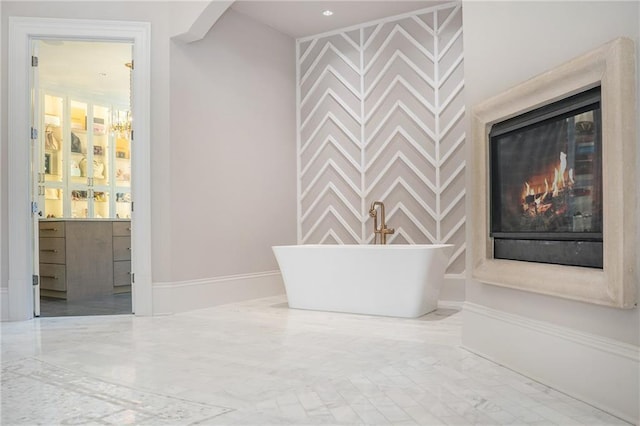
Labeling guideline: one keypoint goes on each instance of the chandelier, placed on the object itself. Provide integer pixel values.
(121, 123)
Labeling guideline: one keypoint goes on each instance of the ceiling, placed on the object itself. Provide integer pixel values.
(304, 18)
(98, 67)
(95, 68)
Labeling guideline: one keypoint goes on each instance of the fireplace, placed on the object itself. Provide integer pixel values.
(546, 183)
(559, 178)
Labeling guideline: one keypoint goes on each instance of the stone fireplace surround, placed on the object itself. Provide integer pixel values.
(612, 66)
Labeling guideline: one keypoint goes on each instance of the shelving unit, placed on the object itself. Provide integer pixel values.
(85, 170)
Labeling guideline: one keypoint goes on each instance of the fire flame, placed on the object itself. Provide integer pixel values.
(536, 202)
(558, 180)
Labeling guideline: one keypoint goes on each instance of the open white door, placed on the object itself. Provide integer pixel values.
(37, 173)
(131, 109)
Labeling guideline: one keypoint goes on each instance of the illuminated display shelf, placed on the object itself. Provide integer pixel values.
(84, 165)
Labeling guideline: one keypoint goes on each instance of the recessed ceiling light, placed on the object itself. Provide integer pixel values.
(327, 13)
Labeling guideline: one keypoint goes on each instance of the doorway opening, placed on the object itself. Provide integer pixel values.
(23, 210)
(82, 176)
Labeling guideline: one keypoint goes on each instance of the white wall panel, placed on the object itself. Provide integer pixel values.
(380, 117)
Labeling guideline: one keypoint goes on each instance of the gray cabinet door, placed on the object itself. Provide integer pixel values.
(53, 277)
(121, 273)
(52, 250)
(89, 259)
(121, 248)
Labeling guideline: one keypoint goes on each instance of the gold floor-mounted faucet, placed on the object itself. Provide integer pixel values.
(383, 231)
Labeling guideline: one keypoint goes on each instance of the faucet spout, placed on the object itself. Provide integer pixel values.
(383, 231)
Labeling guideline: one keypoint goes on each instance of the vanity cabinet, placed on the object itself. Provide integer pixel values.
(83, 259)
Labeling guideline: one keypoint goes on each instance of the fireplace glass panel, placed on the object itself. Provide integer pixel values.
(546, 183)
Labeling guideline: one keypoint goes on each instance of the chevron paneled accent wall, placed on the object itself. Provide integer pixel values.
(381, 117)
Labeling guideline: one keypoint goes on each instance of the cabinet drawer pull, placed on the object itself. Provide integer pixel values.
(49, 229)
(49, 250)
(128, 273)
(129, 229)
(129, 248)
(53, 277)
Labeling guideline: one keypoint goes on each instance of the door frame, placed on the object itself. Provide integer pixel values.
(22, 30)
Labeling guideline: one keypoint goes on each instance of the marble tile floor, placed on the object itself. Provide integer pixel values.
(260, 363)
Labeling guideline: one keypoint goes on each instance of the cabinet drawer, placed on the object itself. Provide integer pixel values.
(121, 248)
(121, 273)
(51, 229)
(53, 277)
(121, 229)
(52, 250)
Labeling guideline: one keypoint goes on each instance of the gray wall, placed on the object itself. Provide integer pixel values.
(232, 149)
(507, 43)
(222, 140)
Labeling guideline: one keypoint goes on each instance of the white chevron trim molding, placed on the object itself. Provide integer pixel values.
(457, 254)
(330, 141)
(330, 211)
(330, 93)
(411, 104)
(450, 44)
(400, 131)
(307, 50)
(452, 232)
(451, 97)
(451, 150)
(397, 29)
(322, 53)
(398, 54)
(331, 117)
(453, 122)
(424, 25)
(350, 41)
(400, 105)
(399, 156)
(402, 183)
(331, 234)
(401, 207)
(329, 70)
(399, 80)
(331, 188)
(447, 22)
(330, 164)
(450, 71)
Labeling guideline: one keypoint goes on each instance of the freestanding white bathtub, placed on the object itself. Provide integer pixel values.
(390, 280)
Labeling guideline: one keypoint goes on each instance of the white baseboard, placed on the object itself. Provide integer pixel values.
(4, 304)
(182, 296)
(450, 304)
(599, 371)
